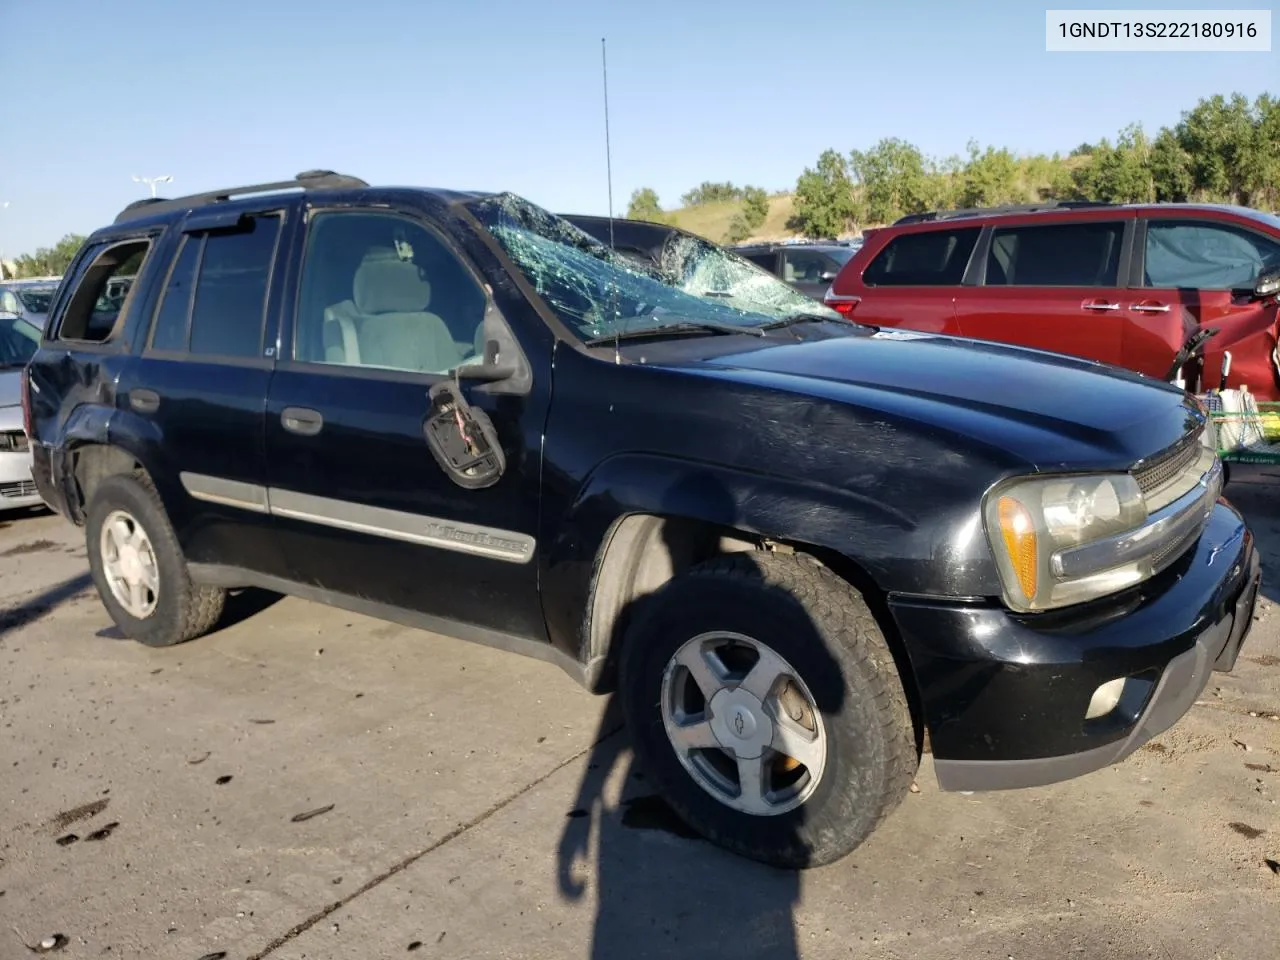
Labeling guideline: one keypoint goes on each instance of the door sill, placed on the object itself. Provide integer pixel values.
(230, 578)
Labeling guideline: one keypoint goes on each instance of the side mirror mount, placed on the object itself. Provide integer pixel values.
(490, 369)
(1268, 285)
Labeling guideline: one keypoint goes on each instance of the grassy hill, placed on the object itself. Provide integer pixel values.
(711, 220)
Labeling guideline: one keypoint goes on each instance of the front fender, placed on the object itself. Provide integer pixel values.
(897, 550)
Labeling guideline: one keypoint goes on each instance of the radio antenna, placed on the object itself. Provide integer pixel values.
(608, 167)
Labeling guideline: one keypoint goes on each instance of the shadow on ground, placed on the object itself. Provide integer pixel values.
(241, 605)
(679, 899)
(42, 603)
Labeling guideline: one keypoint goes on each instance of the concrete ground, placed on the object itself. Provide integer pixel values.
(474, 804)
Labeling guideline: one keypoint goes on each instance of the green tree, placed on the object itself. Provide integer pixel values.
(49, 261)
(989, 177)
(644, 205)
(755, 207)
(1119, 174)
(893, 178)
(824, 204)
(708, 192)
(1264, 168)
(1170, 168)
(738, 229)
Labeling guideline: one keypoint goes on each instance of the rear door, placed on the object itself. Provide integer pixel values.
(197, 391)
(1053, 286)
(1205, 269)
(913, 281)
(386, 307)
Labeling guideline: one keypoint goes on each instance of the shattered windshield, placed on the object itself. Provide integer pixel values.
(598, 293)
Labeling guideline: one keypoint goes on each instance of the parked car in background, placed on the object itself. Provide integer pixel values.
(809, 266)
(28, 298)
(19, 340)
(1124, 284)
(792, 544)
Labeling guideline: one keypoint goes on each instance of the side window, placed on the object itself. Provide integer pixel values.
(379, 290)
(1198, 255)
(935, 258)
(767, 260)
(231, 289)
(102, 295)
(1055, 255)
(806, 266)
(169, 332)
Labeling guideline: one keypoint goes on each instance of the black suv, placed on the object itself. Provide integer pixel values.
(792, 544)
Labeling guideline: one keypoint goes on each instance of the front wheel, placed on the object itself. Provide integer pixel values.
(761, 696)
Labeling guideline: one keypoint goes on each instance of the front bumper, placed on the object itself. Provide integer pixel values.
(1005, 696)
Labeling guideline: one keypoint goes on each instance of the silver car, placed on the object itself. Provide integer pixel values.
(28, 298)
(19, 340)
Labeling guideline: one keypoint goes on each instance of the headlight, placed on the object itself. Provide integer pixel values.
(1034, 522)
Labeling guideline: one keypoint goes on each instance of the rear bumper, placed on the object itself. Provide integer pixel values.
(1005, 697)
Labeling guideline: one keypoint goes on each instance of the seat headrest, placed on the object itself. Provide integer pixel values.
(386, 284)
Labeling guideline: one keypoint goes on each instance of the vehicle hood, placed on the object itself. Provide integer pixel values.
(1045, 409)
(10, 388)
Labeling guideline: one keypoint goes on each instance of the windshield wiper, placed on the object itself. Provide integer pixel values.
(683, 328)
(792, 319)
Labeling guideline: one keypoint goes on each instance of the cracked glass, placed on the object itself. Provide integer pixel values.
(598, 292)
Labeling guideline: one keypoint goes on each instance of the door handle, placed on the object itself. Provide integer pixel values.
(301, 420)
(144, 400)
(1099, 305)
(1146, 307)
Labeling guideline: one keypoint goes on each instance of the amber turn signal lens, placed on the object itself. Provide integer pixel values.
(1019, 533)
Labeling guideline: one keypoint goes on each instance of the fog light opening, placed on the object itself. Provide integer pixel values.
(1105, 698)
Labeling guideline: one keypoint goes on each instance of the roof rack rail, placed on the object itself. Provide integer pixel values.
(307, 180)
(1011, 208)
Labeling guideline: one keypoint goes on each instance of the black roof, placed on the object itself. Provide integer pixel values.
(638, 236)
(307, 181)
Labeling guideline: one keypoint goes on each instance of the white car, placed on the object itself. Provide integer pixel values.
(19, 340)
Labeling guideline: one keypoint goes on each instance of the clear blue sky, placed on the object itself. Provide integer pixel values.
(507, 94)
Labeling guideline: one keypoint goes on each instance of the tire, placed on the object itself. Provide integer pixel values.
(178, 610)
(824, 632)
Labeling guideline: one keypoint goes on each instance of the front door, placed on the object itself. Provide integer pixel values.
(1206, 270)
(1053, 287)
(386, 308)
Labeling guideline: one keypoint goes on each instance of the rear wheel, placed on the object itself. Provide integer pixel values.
(139, 569)
(762, 697)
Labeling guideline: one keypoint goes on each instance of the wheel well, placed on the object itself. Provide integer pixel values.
(93, 463)
(644, 551)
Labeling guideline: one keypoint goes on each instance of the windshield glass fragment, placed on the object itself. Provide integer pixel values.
(597, 292)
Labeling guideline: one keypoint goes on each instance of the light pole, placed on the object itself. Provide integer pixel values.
(152, 181)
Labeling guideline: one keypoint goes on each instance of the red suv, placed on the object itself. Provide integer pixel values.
(1130, 285)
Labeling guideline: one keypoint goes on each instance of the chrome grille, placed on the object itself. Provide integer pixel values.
(1170, 464)
(23, 488)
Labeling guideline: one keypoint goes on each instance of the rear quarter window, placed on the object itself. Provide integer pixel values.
(104, 292)
(933, 258)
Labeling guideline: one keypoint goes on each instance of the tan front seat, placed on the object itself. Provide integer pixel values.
(394, 328)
